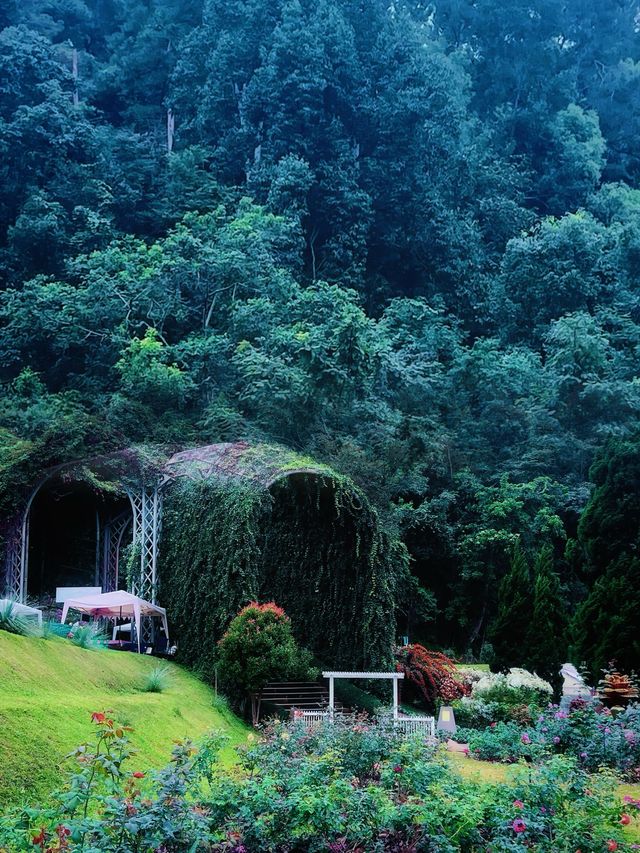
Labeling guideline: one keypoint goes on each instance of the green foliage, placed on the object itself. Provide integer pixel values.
(505, 742)
(513, 618)
(587, 732)
(157, 680)
(14, 622)
(143, 373)
(250, 274)
(546, 638)
(339, 787)
(311, 542)
(90, 636)
(258, 647)
(605, 624)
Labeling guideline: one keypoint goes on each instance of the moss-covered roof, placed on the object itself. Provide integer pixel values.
(262, 464)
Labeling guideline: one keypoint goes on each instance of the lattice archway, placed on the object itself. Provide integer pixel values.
(140, 522)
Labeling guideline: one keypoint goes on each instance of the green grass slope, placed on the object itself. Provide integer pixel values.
(48, 690)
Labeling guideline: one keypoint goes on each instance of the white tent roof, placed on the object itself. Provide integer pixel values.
(116, 604)
(22, 609)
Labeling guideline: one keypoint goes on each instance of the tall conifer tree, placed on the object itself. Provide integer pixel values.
(511, 625)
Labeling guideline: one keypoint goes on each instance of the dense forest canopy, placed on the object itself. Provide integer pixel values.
(403, 238)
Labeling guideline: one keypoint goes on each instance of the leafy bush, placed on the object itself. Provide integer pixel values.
(88, 636)
(526, 686)
(259, 647)
(433, 674)
(343, 787)
(157, 680)
(593, 736)
(504, 742)
(587, 731)
(517, 696)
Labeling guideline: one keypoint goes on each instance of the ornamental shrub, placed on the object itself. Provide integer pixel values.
(433, 674)
(14, 623)
(593, 736)
(259, 647)
(503, 742)
(516, 696)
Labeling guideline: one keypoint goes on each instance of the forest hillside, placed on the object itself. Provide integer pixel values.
(401, 238)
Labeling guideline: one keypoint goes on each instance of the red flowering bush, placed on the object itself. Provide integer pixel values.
(433, 674)
(259, 647)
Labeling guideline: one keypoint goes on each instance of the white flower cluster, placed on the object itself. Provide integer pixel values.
(514, 678)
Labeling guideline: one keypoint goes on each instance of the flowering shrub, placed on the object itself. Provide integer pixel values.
(586, 731)
(517, 682)
(593, 735)
(516, 697)
(349, 787)
(504, 742)
(259, 647)
(432, 673)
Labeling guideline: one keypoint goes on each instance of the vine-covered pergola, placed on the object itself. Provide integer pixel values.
(204, 531)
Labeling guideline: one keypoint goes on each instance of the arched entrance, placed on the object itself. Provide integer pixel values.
(69, 541)
(78, 525)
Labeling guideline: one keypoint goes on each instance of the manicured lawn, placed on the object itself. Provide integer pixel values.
(48, 689)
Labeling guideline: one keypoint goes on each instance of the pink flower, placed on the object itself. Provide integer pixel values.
(519, 825)
(625, 820)
(518, 804)
(397, 769)
(525, 738)
(612, 845)
(556, 739)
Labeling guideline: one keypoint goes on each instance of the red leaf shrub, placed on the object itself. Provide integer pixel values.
(432, 673)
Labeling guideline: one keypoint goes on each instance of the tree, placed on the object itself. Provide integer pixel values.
(515, 596)
(546, 640)
(606, 623)
(259, 647)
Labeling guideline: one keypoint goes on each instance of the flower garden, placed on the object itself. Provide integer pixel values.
(520, 773)
(567, 776)
(344, 787)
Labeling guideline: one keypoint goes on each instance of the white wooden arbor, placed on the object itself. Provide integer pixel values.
(390, 676)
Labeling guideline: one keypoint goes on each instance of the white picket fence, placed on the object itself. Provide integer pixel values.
(309, 717)
(416, 725)
(406, 725)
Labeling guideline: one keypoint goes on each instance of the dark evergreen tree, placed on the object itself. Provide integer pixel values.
(606, 623)
(509, 631)
(545, 647)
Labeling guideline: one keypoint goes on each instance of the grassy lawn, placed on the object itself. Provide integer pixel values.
(48, 689)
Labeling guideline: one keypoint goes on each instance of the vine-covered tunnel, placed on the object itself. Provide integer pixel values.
(207, 530)
(259, 523)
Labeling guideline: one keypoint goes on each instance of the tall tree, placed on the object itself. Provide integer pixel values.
(511, 626)
(545, 647)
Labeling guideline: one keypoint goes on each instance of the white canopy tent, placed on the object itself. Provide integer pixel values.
(117, 605)
(22, 609)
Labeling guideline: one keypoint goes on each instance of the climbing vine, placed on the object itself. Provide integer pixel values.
(310, 542)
